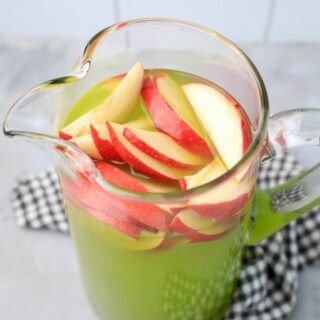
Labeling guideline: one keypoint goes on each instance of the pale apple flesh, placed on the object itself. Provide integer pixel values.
(147, 241)
(139, 160)
(163, 148)
(169, 121)
(87, 144)
(101, 138)
(158, 186)
(208, 173)
(223, 121)
(197, 228)
(143, 123)
(117, 107)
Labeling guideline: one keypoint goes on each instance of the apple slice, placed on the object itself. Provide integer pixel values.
(226, 200)
(173, 94)
(123, 230)
(158, 186)
(208, 173)
(197, 228)
(119, 177)
(147, 241)
(92, 98)
(163, 187)
(166, 150)
(101, 137)
(145, 213)
(222, 119)
(87, 144)
(124, 224)
(168, 120)
(125, 180)
(84, 193)
(139, 160)
(116, 107)
(143, 123)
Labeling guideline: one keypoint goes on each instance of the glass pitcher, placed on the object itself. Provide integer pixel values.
(135, 265)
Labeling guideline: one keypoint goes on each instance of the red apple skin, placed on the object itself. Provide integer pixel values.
(183, 183)
(127, 226)
(132, 160)
(145, 213)
(168, 121)
(245, 126)
(195, 235)
(105, 147)
(64, 136)
(153, 152)
(89, 196)
(119, 177)
(222, 210)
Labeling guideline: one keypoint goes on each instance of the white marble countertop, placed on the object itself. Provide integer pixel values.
(39, 278)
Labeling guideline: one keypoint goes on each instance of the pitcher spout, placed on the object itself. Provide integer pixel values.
(37, 116)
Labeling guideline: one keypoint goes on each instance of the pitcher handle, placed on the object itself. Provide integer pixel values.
(274, 208)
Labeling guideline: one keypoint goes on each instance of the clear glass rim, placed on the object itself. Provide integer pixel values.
(81, 69)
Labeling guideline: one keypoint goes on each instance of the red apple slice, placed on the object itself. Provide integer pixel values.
(83, 193)
(146, 213)
(222, 119)
(117, 107)
(119, 177)
(128, 233)
(225, 200)
(126, 180)
(197, 228)
(166, 150)
(173, 94)
(171, 122)
(125, 225)
(101, 137)
(139, 160)
(162, 187)
(87, 144)
(158, 186)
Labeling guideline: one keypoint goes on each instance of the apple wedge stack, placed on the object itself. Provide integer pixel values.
(187, 135)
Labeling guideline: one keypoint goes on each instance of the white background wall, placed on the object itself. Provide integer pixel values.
(240, 20)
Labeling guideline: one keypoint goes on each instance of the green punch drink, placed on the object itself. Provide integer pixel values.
(159, 260)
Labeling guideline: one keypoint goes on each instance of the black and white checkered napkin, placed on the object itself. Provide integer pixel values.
(268, 283)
